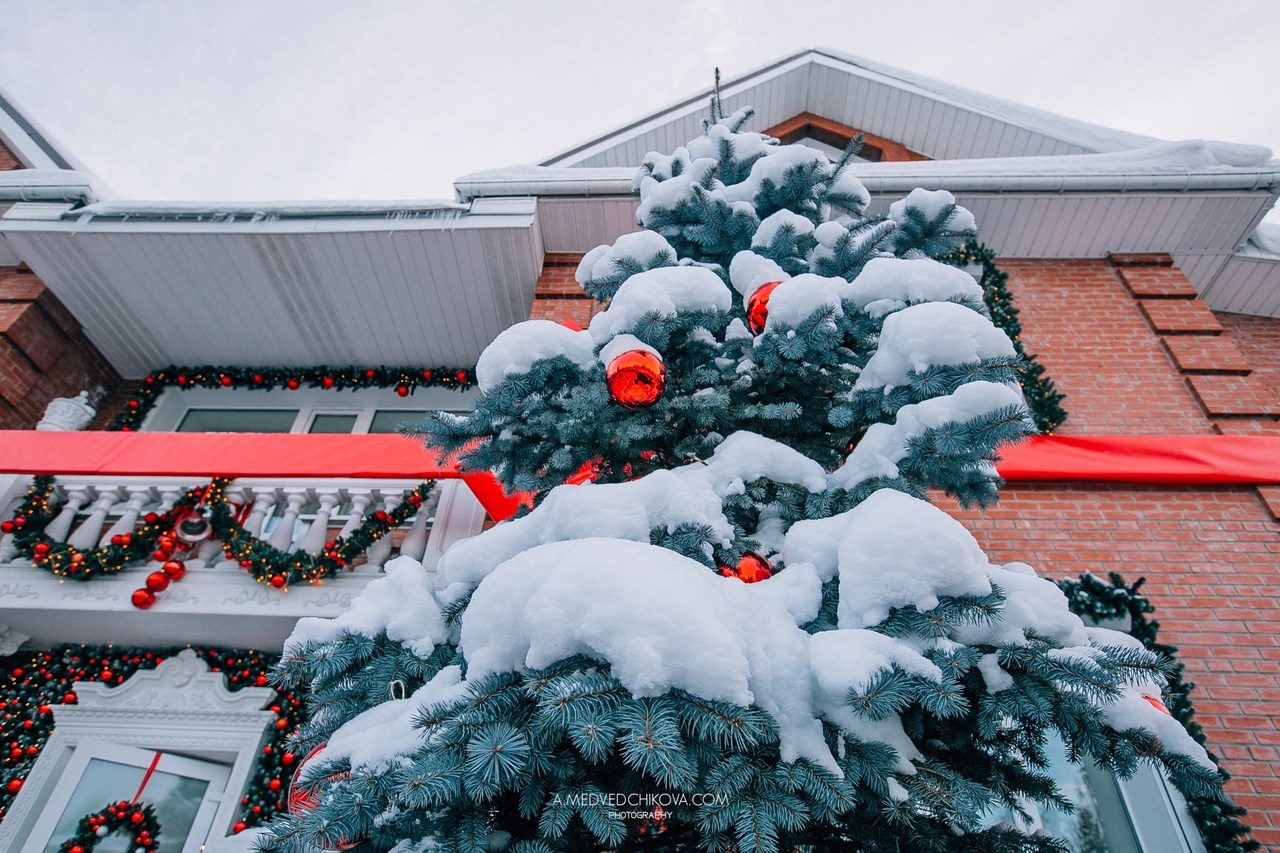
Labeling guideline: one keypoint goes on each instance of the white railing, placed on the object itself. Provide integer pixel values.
(290, 515)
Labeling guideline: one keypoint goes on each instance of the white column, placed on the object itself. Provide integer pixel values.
(58, 529)
(138, 496)
(282, 537)
(264, 501)
(315, 537)
(360, 500)
(86, 535)
(380, 550)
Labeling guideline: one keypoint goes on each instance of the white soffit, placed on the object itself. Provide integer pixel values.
(936, 119)
(157, 285)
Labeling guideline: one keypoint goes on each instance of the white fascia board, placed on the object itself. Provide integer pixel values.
(40, 185)
(517, 216)
(18, 140)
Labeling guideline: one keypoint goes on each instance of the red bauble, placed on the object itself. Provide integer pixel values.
(751, 568)
(636, 379)
(174, 569)
(257, 379)
(41, 549)
(402, 390)
(240, 826)
(302, 797)
(293, 384)
(277, 581)
(6, 527)
(758, 306)
(461, 376)
(14, 786)
(327, 382)
(226, 381)
(1158, 705)
(157, 582)
(246, 564)
(426, 375)
(142, 599)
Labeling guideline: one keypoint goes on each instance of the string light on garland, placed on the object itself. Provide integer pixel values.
(31, 683)
(163, 537)
(403, 379)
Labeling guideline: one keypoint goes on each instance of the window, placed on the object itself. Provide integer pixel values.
(184, 791)
(238, 420)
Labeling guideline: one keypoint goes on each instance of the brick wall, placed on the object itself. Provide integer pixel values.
(558, 296)
(8, 162)
(1136, 352)
(43, 352)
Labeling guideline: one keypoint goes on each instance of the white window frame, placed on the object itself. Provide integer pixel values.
(179, 708)
(173, 403)
(213, 774)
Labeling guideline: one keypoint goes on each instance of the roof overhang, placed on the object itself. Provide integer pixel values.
(297, 284)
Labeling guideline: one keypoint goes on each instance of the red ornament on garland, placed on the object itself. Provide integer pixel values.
(14, 786)
(226, 381)
(750, 569)
(293, 384)
(278, 581)
(327, 382)
(402, 390)
(142, 599)
(636, 379)
(157, 582)
(758, 306)
(174, 569)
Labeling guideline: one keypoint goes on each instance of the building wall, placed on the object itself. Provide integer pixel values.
(1136, 353)
(43, 352)
(8, 161)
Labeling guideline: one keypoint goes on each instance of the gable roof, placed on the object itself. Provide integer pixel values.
(936, 119)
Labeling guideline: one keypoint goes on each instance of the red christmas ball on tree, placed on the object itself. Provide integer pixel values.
(751, 568)
(142, 599)
(758, 306)
(636, 379)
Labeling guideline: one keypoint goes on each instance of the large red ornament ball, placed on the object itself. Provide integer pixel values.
(758, 306)
(142, 598)
(14, 786)
(174, 569)
(277, 581)
(157, 582)
(302, 796)
(636, 379)
(751, 568)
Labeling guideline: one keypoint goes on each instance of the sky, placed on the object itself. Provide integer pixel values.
(380, 99)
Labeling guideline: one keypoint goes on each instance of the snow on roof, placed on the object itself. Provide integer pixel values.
(38, 149)
(216, 211)
(45, 185)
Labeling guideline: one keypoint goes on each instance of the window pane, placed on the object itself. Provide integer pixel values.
(238, 420)
(176, 799)
(332, 423)
(386, 420)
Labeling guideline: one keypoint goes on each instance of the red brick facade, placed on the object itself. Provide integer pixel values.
(558, 295)
(43, 352)
(8, 162)
(1136, 353)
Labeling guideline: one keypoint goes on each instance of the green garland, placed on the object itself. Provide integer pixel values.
(1218, 820)
(139, 819)
(403, 379)
(150, 539)
(1043, 399)
(32, 682)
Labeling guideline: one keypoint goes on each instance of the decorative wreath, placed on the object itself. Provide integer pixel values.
(153, 538)
(137, 818)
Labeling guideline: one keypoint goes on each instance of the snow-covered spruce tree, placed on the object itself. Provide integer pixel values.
(777, 380)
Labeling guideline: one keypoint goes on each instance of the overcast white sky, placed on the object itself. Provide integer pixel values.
(393, 100)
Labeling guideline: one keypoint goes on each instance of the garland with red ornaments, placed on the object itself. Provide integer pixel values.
(403, 379)
(31, 683)
(161, 537)
(139, 819)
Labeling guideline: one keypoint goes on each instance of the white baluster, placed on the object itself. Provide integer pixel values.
(58, 529)
(168, 497)
(8, 550)
(282, 537)
(360, 500)
(414, 543)
(263, 502)
(315, 537)
(138, 496)
(86, 535)
(380, 550)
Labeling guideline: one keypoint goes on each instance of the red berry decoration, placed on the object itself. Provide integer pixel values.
(402, 390)
(758, 306)
(142, 598)
(246, 564)
(174, 569)
(636, 379)
(750, 569)
(157, 582)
